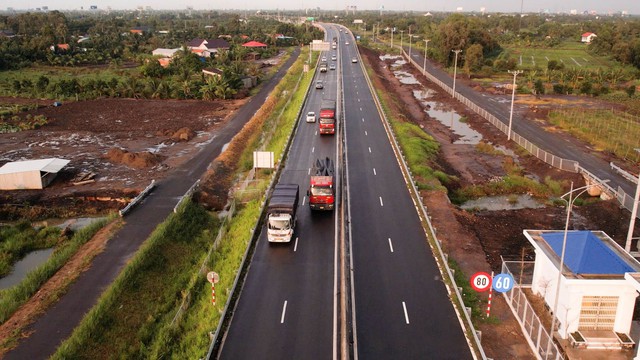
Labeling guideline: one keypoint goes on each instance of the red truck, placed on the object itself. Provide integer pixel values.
(322, 192)
(328, 117)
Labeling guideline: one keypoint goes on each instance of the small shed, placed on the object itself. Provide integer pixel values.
(594, 296)
(588, 37)
(30, 174)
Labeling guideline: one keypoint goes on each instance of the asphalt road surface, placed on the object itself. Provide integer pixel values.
(401, 306)
(59, 321)
(532, 131)
(287, 307)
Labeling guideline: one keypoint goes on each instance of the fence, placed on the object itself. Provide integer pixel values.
(532, 328)
(555, 161)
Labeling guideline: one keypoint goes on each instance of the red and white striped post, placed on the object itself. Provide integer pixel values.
(213, 278)
(489, 302)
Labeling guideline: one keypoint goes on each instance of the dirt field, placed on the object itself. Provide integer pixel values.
(477, 240)
(126, 143)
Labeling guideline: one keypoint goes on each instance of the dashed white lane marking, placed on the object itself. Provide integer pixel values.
(374, 171)
(404, 306)
(284, 311)
(369, 150)
(390, 244)
(295, 246)
(381, 204)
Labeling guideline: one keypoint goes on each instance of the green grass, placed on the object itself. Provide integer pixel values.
(606, 130)
(570, 54)
(14, 297)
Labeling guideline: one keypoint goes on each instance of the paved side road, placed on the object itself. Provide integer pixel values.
(59, 321)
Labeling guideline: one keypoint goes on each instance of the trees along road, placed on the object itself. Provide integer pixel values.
(59, 321)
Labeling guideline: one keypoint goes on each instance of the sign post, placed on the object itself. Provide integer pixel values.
(213, 278)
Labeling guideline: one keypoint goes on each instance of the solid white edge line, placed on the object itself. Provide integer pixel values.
(295, 246)
(406, 315)
(284, 311)
(390, 244)
(381, 204)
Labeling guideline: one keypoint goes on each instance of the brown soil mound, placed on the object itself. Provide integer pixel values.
(139, 160)
(183, 134)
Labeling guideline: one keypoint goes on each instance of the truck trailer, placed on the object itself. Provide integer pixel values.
(281, 213)
(321, 185)
(327, 117)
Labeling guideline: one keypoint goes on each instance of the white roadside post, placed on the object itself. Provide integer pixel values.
(513, 96)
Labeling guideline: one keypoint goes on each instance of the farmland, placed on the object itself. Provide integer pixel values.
(571, 54)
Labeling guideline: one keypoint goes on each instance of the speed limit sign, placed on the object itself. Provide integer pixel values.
(481, 281)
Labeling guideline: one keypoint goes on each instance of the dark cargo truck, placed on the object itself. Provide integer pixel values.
(281, 213)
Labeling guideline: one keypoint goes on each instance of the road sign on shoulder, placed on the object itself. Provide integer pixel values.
(213, 277)
(502, 282)
(481, 281)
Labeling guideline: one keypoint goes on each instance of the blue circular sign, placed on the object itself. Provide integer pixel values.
(502, 282)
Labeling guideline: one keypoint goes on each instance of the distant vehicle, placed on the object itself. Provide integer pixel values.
(334, 58)
(332, 67)
(354, 59)
(334, 46)
(346, 43)
(281, 213)
(319, 85)
(324, 58)
(311, 116)
(340, 30)
(323, 66)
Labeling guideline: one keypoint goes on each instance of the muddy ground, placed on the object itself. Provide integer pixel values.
(126, 143)
(478, 240)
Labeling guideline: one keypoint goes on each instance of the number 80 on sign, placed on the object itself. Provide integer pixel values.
(481, 281)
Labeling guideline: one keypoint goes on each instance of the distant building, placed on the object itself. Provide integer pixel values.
(254, 44)
(207, 47)
(588, 37)
(30, 174)
(165, 52)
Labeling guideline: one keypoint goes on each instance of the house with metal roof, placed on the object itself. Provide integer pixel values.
(595, 297)
(30, 174)
(207, 47)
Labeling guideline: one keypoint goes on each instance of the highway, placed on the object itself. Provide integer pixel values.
(401, 306)
(288, 306)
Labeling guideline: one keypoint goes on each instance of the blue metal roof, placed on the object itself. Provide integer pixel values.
(585, 253)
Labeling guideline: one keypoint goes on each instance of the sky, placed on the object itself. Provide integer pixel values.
(553, 6)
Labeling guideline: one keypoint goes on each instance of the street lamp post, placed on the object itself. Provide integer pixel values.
(455, 67)
(424, 65)
(513, 96)
(564, 246)
(634, 213)
(401, 36)
(392, 31)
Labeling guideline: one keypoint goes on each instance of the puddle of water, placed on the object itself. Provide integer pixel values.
(451, 120)
(390, 57)
(156, 148)
(406, 78)
(493, 203)
(24, 266)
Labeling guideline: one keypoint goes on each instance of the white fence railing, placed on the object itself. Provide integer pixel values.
(532, 328)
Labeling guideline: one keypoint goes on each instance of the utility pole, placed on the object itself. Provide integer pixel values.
(513, 97)
(455, 67)
(401, 35)
(424, 65)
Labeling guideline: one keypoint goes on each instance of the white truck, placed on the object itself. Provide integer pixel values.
(281, 213)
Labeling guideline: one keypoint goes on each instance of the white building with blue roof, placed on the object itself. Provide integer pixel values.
(596, 300)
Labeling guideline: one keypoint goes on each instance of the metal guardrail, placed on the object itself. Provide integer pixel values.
(441, 259)
(138, 198)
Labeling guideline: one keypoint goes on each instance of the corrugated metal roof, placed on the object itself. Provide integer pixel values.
(52, 165)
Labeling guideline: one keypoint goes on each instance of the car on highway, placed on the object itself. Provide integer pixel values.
(324, 58)
(346, 43)
(354, 59)
(334, 58)
(319, 84)
(311, 116)
(332, 67)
